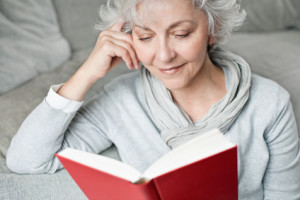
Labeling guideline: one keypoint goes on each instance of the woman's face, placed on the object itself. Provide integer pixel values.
(171, 41)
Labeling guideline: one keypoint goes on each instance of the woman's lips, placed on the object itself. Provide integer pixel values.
(171, 70)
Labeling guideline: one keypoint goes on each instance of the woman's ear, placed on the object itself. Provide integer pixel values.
(212, 35)
(210, 43)
(211, 40)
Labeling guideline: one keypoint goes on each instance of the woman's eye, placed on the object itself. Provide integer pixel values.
(145, 39)
(182, 35)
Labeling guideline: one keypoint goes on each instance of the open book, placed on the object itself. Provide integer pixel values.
(202, 168)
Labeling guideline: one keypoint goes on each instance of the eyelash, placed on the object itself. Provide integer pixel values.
(183, 36)
(144, 39)
(178, 36)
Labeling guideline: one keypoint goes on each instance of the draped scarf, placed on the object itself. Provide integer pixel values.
(175, 125)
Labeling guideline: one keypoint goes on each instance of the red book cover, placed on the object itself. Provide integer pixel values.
(203, 168)
(213, 178)
(97, 184)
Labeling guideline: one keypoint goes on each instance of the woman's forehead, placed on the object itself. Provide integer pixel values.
(168, 11)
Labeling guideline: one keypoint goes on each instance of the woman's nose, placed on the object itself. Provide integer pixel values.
(165, 52)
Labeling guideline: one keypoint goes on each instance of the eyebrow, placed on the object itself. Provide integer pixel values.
(171, 26)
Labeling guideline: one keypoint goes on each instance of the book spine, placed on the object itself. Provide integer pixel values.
(147, 191)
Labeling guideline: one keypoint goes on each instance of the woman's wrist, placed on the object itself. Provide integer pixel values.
(78, 85)
(87, 72)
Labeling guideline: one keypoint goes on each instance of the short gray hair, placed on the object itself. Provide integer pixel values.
(224, 16)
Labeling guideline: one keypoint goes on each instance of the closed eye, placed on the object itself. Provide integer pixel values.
(145, 39)
(182, 35)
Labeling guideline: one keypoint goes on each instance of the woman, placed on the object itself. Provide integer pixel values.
(187, 85)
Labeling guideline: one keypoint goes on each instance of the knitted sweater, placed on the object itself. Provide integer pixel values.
(265, 132)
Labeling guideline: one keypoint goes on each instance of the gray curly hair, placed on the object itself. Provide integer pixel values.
(224, 16)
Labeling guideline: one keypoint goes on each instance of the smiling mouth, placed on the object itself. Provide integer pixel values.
(171, 70)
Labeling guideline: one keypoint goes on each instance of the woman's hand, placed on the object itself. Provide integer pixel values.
(111, 48)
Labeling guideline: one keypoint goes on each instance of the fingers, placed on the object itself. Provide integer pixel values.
(134, 63)
(117, 35)
(123, 40)
(117, 26)
(123, 52)
(118, 44)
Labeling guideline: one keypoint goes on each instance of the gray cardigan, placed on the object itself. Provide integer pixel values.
(265, 132)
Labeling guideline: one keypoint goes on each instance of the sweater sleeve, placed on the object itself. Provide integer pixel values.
(61, 103)
(282, 177)
(47, 131)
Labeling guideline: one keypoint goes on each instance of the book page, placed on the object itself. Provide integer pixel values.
(204, 145)
(102, 163)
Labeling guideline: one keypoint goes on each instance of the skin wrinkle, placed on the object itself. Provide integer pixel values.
(181, 38)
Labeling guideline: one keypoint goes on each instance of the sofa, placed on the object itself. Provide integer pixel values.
(44, 42)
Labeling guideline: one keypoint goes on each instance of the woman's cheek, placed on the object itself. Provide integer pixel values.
(191, 50)
(143, 55)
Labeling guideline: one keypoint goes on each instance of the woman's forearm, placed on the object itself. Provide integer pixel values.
(78, 85)
(40, 136)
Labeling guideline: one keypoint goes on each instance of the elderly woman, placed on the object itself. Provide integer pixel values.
(185, 86)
